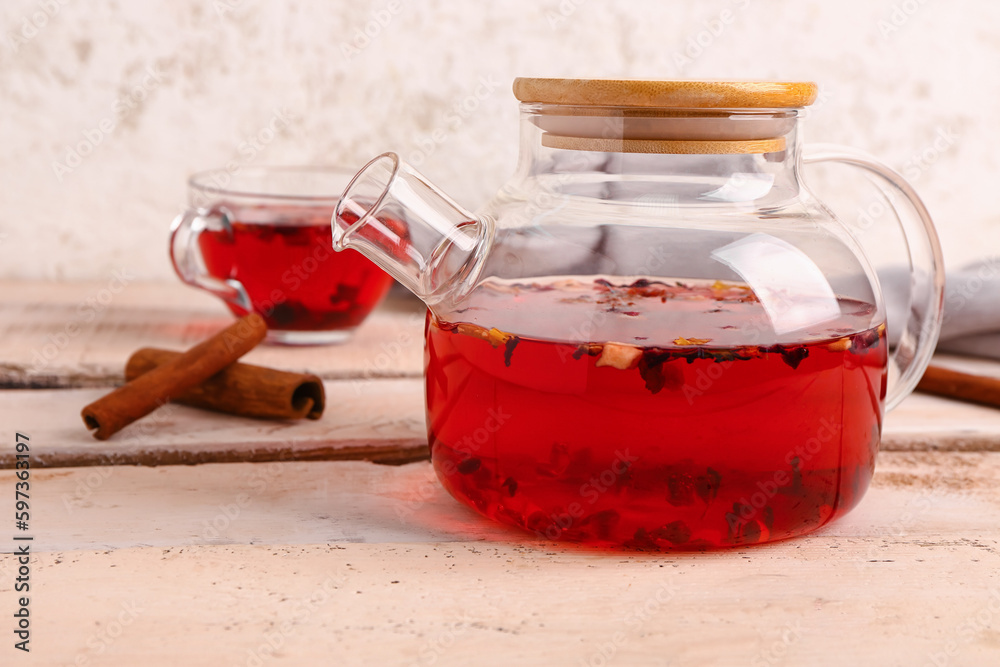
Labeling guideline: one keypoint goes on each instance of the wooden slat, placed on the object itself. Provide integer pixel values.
(923, 422)
(807, 603)
(61, 335)
(380, 420)
(973, 365)
(319, 568)
(65, 335)
(948, 495)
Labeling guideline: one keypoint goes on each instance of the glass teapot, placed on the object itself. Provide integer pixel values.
(653, 336)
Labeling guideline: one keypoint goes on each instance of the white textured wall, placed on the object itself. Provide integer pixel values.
(895, 75)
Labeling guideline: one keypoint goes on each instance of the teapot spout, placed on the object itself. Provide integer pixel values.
(399, 220)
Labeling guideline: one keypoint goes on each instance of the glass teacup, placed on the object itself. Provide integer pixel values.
(260, 240)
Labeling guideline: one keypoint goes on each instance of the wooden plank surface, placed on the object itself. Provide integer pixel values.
(380, 420)
(950, 496)
(813, 603)
(973, 365)
(319, 567)
(81, 334)
(291, 561)
(63, 335)
(376, 420)
(924, 422)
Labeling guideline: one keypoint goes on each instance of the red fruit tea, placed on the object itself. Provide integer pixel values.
(666, 430)
(284, 258)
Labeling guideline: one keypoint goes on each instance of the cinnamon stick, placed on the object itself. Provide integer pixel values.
(963, 386)
(138, 398)
(242, 389)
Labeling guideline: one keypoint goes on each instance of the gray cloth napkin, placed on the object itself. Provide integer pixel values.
(971, 321)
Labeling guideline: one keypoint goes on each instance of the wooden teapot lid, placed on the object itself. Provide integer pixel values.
(679, 117)
(666, 94)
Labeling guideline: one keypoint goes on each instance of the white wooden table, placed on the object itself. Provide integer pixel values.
(288, 545)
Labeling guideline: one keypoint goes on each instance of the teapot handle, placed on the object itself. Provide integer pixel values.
(919, 336)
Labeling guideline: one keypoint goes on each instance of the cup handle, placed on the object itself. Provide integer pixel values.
(919, 336)
(188, 261)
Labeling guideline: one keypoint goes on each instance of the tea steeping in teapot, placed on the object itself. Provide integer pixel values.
(653, 335)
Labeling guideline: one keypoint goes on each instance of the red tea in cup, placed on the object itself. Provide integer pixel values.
(284, 259)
